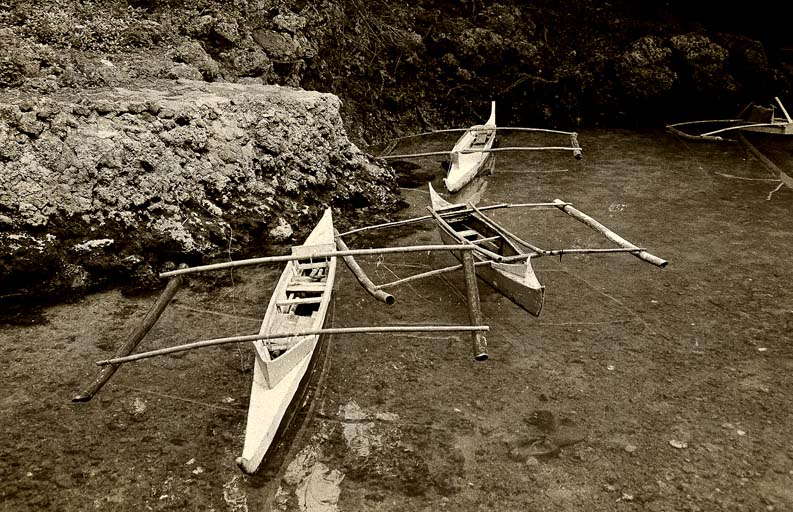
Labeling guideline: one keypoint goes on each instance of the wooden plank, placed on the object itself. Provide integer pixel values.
(311, 266)
(305, 287)
(304, 300)
(467, 232)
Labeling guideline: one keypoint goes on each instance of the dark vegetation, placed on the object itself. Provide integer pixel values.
(412, 65)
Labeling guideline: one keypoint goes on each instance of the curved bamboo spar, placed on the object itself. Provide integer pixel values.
(603, 230)
(358, 272)
(430, 273)
(533, 206)
(429, 133)
(784, 111)
(135, 338)
(522, 148)
(706, 121)
(327, 254)
(310, 332)
(740, 127)
(416, 155)
(499, 128)
(542, 130)
(491, 150)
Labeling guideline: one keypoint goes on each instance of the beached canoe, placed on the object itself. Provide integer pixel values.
(282, 367)
(471, 152)
(516, 280)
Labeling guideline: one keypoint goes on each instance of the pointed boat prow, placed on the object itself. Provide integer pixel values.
(471, 152)
(282, 369)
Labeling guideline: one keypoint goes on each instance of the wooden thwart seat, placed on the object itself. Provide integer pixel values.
(481, 139)
(466, 233)
(303, 300)
(307, 266)
(305, 287)
(485, 240)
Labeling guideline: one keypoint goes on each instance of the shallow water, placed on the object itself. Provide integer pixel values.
(624, 358)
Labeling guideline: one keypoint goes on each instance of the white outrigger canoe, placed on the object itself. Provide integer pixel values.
(471, 152)
(299, 303)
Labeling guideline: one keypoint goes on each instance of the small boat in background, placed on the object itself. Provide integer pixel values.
(299, 303)
(470, 153)
(753, 118)
(517, 280)
(473, 151)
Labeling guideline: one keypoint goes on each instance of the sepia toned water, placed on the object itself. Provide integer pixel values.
(636, 385)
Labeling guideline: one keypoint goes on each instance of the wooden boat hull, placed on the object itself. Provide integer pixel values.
(523, 290)
(753, 118)
(516, 281)
(296, 304)
(464, 166)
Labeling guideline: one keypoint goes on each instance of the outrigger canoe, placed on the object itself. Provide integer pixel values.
(471, 152)
(516, 281)
(753, 118)
(299, 303)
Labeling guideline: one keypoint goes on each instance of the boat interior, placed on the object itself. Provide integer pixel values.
(479, 233)
(303, 296)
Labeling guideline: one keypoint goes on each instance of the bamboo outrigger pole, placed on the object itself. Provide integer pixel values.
(576, 151)
(358, 272)
(429, 273)
(255, 337)
(328, 254)
(532, 206)
(603, 230)
(145, 326)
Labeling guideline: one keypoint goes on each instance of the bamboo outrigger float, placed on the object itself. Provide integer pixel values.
(293, 327)
(474, 149)
(753, 118)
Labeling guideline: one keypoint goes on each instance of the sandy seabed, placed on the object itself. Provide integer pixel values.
(637, 388)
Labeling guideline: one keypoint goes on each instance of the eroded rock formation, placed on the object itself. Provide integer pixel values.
(120, 181)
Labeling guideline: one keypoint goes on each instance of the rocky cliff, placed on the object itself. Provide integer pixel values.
(122, 182)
